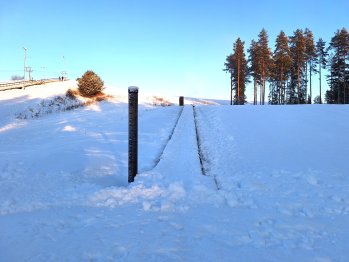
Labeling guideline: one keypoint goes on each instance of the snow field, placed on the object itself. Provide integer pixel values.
(287, 173)
(281, 174)
(84, 155)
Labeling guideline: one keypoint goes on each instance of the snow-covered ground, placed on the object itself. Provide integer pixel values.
(276, 183)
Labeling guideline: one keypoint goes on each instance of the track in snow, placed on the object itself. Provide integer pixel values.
(202, 158)
(169, 139)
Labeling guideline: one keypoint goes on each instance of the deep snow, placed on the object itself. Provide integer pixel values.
(276, 185)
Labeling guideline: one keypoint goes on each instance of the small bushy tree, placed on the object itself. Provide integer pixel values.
(90, 84)
(317, 100)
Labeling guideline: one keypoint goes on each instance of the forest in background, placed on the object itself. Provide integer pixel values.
(290, 69)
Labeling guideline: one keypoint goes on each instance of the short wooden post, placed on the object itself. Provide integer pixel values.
(132, 132)
(181, 101)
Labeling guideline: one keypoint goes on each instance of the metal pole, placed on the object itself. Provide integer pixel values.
(181, 101)
(132, 132)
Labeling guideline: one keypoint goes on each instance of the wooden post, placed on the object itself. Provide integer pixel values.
(132, 132)
(181, 101)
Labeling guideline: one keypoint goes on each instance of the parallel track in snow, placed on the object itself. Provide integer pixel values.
(202, 158)
(169, 139)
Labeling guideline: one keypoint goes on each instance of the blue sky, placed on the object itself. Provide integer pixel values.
(164, 47)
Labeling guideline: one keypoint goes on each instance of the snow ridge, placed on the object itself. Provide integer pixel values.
(201, 157)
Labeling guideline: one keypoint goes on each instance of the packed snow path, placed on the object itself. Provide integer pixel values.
(180, 162)
(284, 185)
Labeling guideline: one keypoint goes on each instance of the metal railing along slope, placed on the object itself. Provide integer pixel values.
(24, 83)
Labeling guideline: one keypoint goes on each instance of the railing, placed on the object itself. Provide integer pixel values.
(24, 83)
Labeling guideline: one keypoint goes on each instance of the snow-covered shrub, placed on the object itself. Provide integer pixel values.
(72, 94)
(45, 107)
(159, 101)
(90, 84)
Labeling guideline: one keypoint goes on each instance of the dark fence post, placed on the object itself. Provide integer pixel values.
(132, 132)
(181, 101)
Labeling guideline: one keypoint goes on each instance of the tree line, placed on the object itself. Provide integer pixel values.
(290, 69)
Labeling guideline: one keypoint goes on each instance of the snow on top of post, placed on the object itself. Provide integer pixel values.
(133, 89)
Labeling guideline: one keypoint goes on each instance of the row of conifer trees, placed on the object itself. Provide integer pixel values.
(290, 70)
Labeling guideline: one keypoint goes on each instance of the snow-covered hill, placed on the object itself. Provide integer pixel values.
(276, 183)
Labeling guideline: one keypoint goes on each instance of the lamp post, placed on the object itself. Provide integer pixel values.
(25, 58)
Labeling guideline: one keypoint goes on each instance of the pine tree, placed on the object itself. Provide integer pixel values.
(339, 79)
(239, 72)
(282, 60)
(330, 94)
(310, 57)
(344, 40)
(322, 54)
(297, 81)
(265, 61)
(254, 69)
